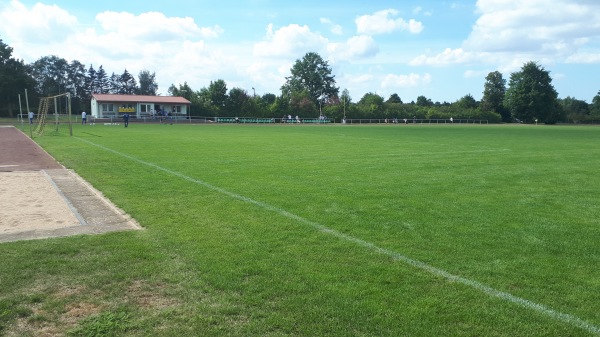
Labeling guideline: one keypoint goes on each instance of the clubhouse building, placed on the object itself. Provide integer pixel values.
(138, 106)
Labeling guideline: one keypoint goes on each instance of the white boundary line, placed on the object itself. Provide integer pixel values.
(539, 308)
(65, 199)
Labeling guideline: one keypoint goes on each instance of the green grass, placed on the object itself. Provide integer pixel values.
(237, 238)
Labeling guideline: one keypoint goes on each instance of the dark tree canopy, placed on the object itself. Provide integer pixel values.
(14, 78)
(595, 108)
(424, 101)
(394, 98)
(127, 84)
(494, 90)
(50, 73)
(531, 96)
(467, 102)
(313, 75)
(147, 81)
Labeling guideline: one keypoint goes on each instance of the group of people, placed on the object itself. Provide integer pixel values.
(162, 115)
(290, 119)
(84, 118)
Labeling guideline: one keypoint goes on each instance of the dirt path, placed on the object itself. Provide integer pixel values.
(39, 198)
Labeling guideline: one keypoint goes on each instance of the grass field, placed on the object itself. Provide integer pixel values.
(386, 230)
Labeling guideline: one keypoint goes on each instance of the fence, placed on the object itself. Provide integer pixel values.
(262, 120)
(413, 121)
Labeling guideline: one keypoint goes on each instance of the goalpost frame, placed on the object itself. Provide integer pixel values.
(45, 102)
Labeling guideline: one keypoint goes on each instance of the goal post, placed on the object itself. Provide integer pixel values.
(54, 115)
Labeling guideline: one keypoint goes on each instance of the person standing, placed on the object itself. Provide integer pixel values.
(30, 117)
(83, 117)
(126, 119)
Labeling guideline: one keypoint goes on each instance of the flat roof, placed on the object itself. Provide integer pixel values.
(139, 99)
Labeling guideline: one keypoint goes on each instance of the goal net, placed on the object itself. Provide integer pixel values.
(54, 116)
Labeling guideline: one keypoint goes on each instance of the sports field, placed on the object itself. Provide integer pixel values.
(327, 230)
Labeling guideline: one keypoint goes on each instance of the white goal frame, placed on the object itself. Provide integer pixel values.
(43, 113)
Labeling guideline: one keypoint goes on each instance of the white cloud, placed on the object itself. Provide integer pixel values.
(41, 24)
(405, 81)
(383, 22)
(475, 73)
(154, 26)
(510, 33)
(333, 28)
(360, 46)
(173, 47)
(448, 56)
(584, 57)
(112, 38)
(419, 10)
(290, 41)
(534, 26)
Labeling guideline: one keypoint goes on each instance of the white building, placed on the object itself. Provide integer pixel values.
(138, 106)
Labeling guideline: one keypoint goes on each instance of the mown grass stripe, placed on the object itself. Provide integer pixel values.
(553, 314)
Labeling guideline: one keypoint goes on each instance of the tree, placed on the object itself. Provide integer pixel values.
(14, 79)
(148, 85)
(127, 84)
(371, 104)
(494, 91)
(531, 96)
(424, 101)
(345, 100)
(238, 102)
(102, 85)
(76, 85)
(114, 84)
(573, 106)
(217, 94)
(394, 98)
(50, 73)
(466, 102)
(91, 81)
(595, 106)
(269, 98)
(302, 105)
(313, 75)
(184, 91)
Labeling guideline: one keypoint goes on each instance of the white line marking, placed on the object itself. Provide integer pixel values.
(8, 165)
(65, 199)
(556, 315)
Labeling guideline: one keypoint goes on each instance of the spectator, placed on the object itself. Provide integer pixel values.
(126, 119)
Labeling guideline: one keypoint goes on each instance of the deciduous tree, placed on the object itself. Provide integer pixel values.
(424, 101)
(394, 98)
(313, 75)
(494, 90)
(595, 106)
(14, 79)
(531, 96)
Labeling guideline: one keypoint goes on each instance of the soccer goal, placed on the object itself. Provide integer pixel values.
(54, 116)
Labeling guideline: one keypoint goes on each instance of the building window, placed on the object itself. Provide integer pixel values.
(177, 108)
(145, 108)
(107, 107)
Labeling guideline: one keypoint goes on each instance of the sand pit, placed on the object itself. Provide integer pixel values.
(31, 201)
(39, 198)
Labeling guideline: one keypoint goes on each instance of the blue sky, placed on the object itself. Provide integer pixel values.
(440, 49)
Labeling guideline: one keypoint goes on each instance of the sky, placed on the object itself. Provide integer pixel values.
(440, 49)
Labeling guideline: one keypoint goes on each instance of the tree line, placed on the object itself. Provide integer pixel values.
(310, 90)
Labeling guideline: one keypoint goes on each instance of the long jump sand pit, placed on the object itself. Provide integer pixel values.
(30, 201)
(39, 198)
